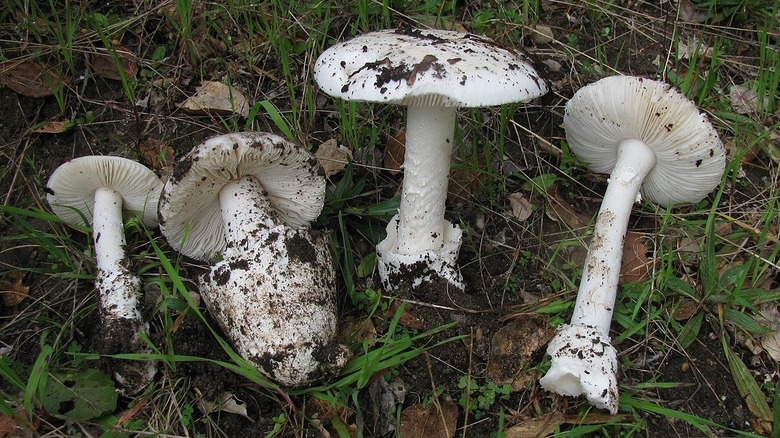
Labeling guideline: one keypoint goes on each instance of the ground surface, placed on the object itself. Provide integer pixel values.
(521, 272)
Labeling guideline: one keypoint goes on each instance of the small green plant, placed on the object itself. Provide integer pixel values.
(479, 399)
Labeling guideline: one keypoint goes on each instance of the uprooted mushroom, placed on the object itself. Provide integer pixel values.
(246, 199)
(652, 141)
(103, 190)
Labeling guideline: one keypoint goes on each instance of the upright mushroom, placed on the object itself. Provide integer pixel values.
(247, 198)
(653, 140)
(432, 72)
(102, 190)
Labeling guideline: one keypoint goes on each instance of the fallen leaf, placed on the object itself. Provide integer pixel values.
(407, 319)
(31, 78)
(54, 127)
(562, 210)
(685, 310)
(332, 157)
(14, 290)
(635, 265)
(216, 98)
(542, 34)
(537, 427)
(385, 397)
(521, 206)
(104, 64)
(515, 345)
(745, 100)
(157, 155)
(227, 403)
(419, 421)
(690, 13)
(393, 157)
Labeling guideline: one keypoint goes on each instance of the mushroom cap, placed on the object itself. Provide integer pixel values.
(690, 157)
(72, 187)
(427, 67)
(190, 213)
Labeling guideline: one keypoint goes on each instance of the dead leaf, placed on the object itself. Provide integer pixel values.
(418, 421)
(216, 98)
(745, 101)
(227, 403)
(690, 13)
(54, 127)
(521, 206)
(14, 290)
(407, 319)
(542, 34)
(393, 157)
(563, 211)
(157, 155)
(31, 78)
(685, 310)
(332, 157)
(635, 265)
(104, 64)
(514, 346)
(537, 427)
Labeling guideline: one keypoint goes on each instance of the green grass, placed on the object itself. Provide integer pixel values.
(719, 257)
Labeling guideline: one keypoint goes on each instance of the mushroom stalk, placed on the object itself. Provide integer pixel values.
(118, 287)
(429, 138)
(583, 358)
(245, 209)
(598, 286)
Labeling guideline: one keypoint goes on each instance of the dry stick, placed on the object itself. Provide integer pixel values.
(437, 306)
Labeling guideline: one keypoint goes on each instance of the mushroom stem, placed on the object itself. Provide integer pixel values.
(429, 138)
(583, 358)
(245, 209)
(118, 288)
(598, 286)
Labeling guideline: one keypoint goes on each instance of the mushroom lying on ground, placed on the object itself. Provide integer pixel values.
(247, 198)
(99, 189)
(433, 72)
(650, 138)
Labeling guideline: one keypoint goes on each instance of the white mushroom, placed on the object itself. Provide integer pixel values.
(433, 72)
(100, 190)
(247, 198)
(653, 140)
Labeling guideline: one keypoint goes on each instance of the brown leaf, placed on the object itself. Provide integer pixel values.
(563, 211)
(521, 206)
(538, 427)
(157, 154)
(53, 127)
(216, 98)
(104, 64)
(14, 290)
(636, 265)
(393, 157)
(685, 310)
(418, 421)
(332, 157)
(31, 78)
(407, 319)
(515, 345)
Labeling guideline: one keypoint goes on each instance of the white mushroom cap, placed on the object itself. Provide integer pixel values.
(690, 156)
(72, 187)
(190, 215)
(431, 67)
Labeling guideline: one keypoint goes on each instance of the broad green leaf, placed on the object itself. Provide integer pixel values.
(80, 394)
(690, 330)
(747, 386)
